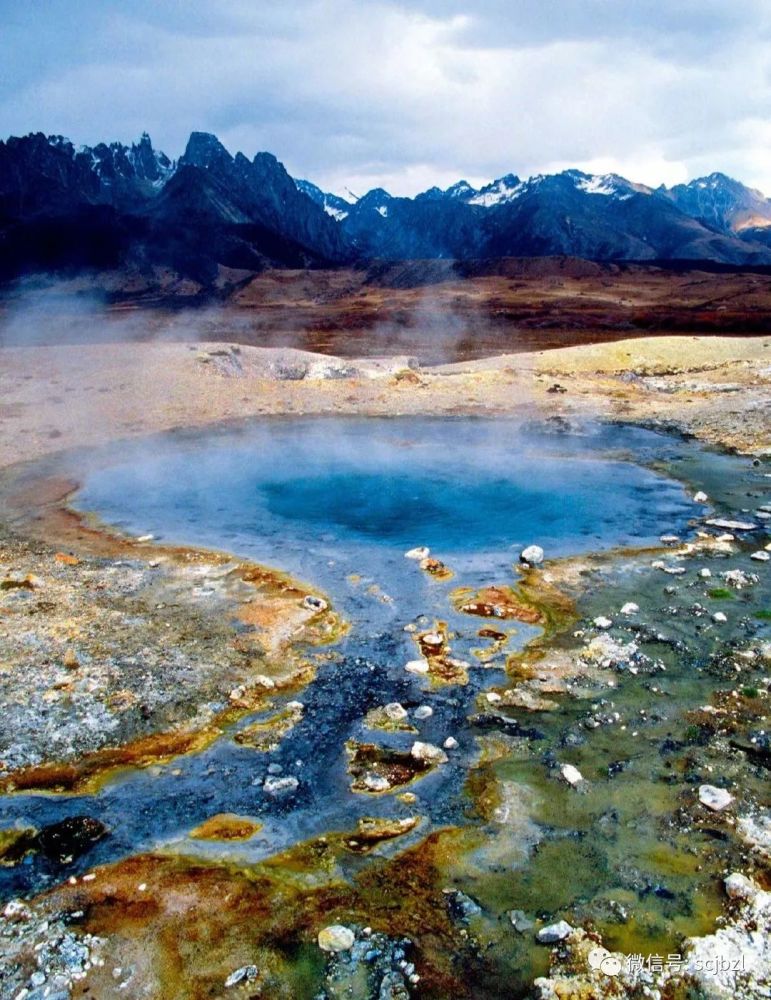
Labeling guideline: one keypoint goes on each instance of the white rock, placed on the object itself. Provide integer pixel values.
(423, 712)
(630, 608)
(738, 579)
(416, 667)
(280, 786)
(245, 973)
(395, 712)
(760, 556)
(738, 886)
(493, 697)
(432, 639)
(375, 783)
(719, 618)
(729, 525)
(532, 555)
(700, 497)
(705, 573)
(714, 798)
(602, 622)
(670, 539)
(571, 774)
(427, 753)
(450, 743)
(554, 932)
(421, 552)
(313, 603)
(336, 937)
(145, 538)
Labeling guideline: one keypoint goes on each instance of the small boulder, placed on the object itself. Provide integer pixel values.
(716, 799)
(280, 787)
(336, 938)
(427, 753)
(571, 775)
(520, 921)
(554, 932)
(246, 974)
(532, 555)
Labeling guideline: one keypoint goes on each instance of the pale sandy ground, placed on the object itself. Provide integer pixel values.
(51, 398)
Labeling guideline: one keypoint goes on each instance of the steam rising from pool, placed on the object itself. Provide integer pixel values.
(287, 491)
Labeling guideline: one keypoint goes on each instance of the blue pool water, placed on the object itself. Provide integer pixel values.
(460, 487)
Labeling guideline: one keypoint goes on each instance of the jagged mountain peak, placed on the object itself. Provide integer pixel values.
(205, 150)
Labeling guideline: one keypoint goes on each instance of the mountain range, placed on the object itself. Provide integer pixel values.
(112, 206)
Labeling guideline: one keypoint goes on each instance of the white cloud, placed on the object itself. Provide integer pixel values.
(359, 94)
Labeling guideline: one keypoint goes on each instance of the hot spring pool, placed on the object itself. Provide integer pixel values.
(297, 493)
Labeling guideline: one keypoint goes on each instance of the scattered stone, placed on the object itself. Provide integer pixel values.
(729, 525)
(423, 712)
(246, 974)
(760, 556)
(716, 799)
(719, 618)
(554, 932)
(280, 787)
(145, 538)
(532, 555)
(375, 783)
(336, 937)
(738, 579)
(738, 886)
(602, 622)
(450, 743)
(421, 552)
(700, 497)
(705, 573)
(670, 539)
(520, 921)
(571, 774)
(630, 608)
(462, 907)
(427, 753)
(313, 603)
(416, 667)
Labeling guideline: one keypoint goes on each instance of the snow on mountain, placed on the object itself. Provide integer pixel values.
(339, 208)
(499, 192)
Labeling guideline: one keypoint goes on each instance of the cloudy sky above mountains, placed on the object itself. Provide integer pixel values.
(359, 93)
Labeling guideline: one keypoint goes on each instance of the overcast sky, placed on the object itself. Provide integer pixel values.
(359, 93)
